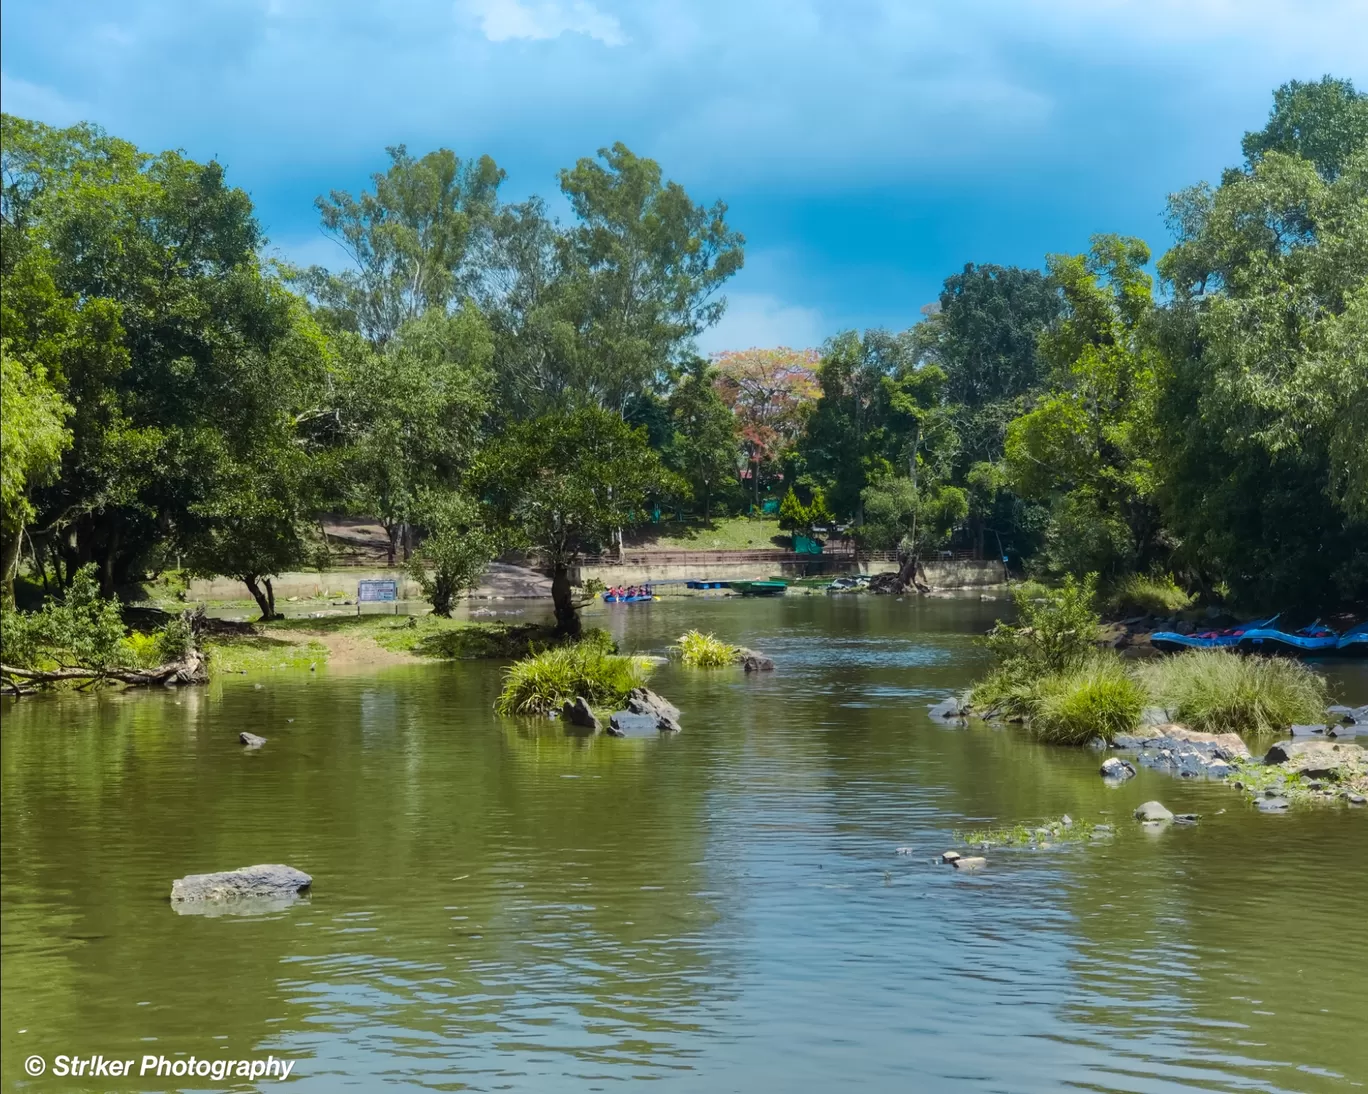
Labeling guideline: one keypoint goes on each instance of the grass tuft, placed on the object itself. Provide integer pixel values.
(1152, 594)
(705, 651)
(1221, 692)
(1097, 699)
(539, 684)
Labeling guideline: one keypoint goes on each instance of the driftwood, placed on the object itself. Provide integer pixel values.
(190, 670)
(911, 573)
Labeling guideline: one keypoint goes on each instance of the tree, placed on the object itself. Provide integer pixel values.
(412, 241)
(562, 485)
(410, 416)
(793, 514)
(913, 518)
(33, 435)
(1325, 122)
(704, 447)
(1265, 392)
(456, 551)
(134, 280)
(1087, 448)
(770, 392)
(641, 272)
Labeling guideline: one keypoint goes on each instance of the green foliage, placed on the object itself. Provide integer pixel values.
(1096, 698)
(542, 683)
(1056, 628)
(705, 651)
(409, 239)
(1221, 692)
(1325, 122)
(1156, 594)
(1021, 835)
(793, 514)
(703, 448)
(83, 630)
(455, 554)
(913, 519)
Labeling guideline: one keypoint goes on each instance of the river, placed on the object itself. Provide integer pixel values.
(498, 906)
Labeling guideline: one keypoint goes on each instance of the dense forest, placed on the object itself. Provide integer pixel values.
(481, 377)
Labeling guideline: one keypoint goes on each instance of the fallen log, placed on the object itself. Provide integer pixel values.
(189, 670)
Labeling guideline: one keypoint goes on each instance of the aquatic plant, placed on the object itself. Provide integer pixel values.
(1150, 594)
(705, 651)
(1217, 691)
(543, 682)
(1098, 698)
(1043, 834)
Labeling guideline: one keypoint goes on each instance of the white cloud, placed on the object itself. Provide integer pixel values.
(505, 20)
(30, 100)
(760, 319)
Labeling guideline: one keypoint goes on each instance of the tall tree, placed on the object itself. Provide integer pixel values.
(1266, 391)
(562, 485)
(704, 446)
(771, 392)
(1088, 446)
(643, 270)
(416, 241)
(1325, 122)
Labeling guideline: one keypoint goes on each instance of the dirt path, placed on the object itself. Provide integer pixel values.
(356, 650)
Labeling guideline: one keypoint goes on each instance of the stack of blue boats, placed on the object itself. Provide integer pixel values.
(1265, 636)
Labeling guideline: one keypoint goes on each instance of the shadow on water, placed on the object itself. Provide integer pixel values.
(498, 904)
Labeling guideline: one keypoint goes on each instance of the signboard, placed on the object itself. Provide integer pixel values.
(385, 589)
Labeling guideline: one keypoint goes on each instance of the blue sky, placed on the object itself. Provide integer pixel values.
(867, 148)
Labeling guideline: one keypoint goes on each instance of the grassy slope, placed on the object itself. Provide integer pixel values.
(731, 534)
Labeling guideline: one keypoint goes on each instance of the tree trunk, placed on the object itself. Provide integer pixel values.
(392, 532)
(443, 593)
(11, 563)
(264, 602)
(567, 615)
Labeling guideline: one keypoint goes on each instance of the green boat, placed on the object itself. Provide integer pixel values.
(760, 588)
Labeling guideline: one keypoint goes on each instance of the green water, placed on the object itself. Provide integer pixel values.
(500, 907)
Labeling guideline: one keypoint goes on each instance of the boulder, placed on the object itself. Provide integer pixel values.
(1185, 752)
(970, 862)
(1115, 768)
(948, 710)
(1271, 805)
(1308, 731)
(645, 701)
(950, 857)
(1153, 812)
(578, 713)
(251, 740)
(1317, 759)
(256, 888)
(626, 724)
(755, 661)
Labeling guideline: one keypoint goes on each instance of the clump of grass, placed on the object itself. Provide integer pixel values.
(705, 651)
(259, 653)
(545, 681)
(1221, 692)
(1150, 594)
(1096, 699)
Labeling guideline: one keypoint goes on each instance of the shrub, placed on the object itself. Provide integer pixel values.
(1221, 692)
(82, 630)
(1056, 629)
(543, 682)
(1095, 699)
(705, 651)
(1155, 594)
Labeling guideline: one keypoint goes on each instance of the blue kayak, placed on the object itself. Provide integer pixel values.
(1308, 640)
(1354, 641)
(1227, 639)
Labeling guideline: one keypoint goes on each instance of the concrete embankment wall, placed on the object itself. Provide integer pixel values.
(510, 581)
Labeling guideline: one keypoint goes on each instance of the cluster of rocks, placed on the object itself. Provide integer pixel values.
(645, 713)
(1156, 815)
(1187, 753)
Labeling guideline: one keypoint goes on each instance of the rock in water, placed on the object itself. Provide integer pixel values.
(578, 713)
(1272, 805)
(970, 862)
(948, 710)
(1153, 812)
(1115, 768)
(245, 890)
(626, 724)
(645, 701)
(1318, 759)
(755, 661)
(251, 740)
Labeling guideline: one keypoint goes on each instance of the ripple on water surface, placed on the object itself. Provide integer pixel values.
(499, 906)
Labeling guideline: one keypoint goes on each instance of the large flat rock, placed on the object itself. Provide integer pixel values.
(262, 886)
